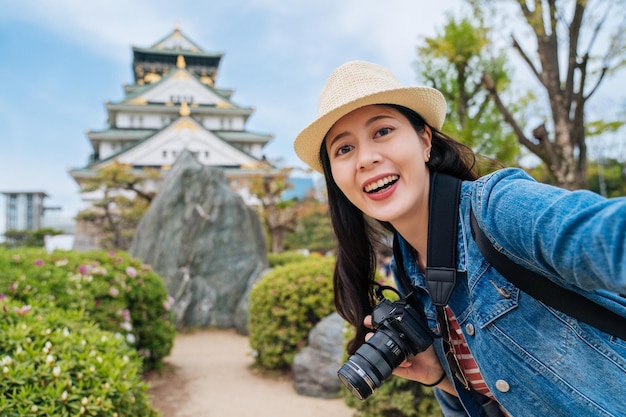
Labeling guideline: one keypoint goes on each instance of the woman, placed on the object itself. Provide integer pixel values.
(378, 143)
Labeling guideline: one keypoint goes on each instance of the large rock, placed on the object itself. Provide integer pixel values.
(315, 367)
(206, 243)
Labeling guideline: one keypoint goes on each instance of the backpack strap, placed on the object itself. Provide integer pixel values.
(539, 287)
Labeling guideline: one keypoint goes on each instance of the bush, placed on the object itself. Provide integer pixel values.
(285, 305)
(34, 238)
(397, 397)
(115, 291)
(55, 363)
(283, 258)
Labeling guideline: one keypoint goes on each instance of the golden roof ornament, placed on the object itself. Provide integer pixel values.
(180, 62)
(184, 109)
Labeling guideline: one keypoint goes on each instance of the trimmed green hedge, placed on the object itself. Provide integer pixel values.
(115, 291)
(283, 258)
(54, 362)
(285, 305)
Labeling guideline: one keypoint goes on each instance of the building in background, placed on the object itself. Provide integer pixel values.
(174, 104)
(24, 209)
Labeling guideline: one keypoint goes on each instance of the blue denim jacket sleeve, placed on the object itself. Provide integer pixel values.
(576, 238)
(531, 356)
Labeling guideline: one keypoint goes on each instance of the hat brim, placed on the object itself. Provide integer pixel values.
(428, 102)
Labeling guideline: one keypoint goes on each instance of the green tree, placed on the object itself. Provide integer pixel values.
(607, 177)
(454, 62)
(278, 215)
(577, 43)
(125, 199)
(313, 230)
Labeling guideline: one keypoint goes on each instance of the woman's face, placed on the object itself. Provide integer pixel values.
(378, 161)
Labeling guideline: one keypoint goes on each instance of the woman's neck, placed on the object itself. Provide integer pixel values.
(415, 232)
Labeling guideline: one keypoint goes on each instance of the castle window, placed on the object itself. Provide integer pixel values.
(180, 99)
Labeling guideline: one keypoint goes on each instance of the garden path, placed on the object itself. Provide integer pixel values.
(208, 374)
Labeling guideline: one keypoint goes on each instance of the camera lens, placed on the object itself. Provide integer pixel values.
(356, 379)
(371, 364)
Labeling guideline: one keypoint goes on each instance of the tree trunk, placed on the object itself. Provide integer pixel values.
(563, 150)
(277, 240)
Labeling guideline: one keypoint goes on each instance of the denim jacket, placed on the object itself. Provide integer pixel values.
(536, 360)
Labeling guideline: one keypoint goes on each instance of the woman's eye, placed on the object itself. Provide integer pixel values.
(383, 131)
(343, 149)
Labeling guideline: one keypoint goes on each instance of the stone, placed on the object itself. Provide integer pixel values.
(206, 243)
(315, 367)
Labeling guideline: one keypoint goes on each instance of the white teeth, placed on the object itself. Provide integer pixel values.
(380, 183)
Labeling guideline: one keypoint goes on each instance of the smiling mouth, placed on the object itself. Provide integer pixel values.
(381, 184)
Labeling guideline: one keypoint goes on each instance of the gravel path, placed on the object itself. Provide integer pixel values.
(209, 374)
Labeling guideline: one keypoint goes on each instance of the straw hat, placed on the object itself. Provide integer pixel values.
(356, 84)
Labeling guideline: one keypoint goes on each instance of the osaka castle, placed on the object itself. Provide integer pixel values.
(175, 104)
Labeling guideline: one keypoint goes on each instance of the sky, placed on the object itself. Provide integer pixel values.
(61, 60)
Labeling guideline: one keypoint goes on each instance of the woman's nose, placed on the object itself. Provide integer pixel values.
(368, 157)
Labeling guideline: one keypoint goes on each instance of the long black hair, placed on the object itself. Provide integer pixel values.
(359, 237)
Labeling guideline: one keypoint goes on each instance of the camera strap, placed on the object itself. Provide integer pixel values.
(441, 260)
(441, 274)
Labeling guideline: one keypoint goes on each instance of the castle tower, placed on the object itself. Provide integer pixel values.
(174, 104)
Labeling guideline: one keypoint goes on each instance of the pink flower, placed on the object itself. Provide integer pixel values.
(113, 292)
(22, 311)
(84, 269)
(111, 254)
(125, 314)
(132, 272)
(16, 257)
(38, 262)
(2, 296)
(167, 304)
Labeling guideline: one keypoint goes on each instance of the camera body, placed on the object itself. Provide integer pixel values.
(401, 331)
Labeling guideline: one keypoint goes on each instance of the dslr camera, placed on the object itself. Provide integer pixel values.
(401, 331)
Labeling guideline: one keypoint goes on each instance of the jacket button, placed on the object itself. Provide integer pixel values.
(502, 385)
(469, 328)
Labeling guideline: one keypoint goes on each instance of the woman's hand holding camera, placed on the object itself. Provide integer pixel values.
(424, 367)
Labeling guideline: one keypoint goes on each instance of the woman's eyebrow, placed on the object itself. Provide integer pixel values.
(336, 137)
(367, 123)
